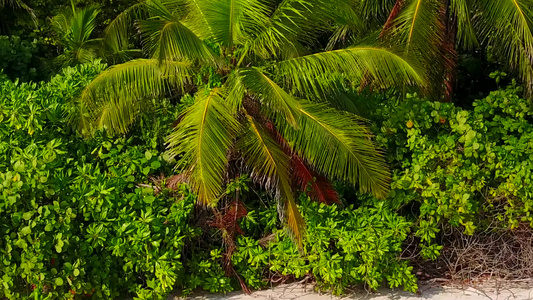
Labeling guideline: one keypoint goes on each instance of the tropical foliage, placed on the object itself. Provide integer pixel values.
(77, 222)
(465, 168)
(258, 96)
(74, 28)
(432, 31)
(179, 139)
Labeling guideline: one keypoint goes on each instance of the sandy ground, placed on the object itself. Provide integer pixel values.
(300, 292)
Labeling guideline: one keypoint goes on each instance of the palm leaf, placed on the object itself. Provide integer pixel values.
(118, 32)
(273, 97)
(270, 166)
(507, 24)
(110, 100)
(296, 22)
(418, 27)
(466, 34)
(83, 24)
(21, 5)
(322, 72)
(227, 22)
(202, 140)
(171, 40)
(339, 146)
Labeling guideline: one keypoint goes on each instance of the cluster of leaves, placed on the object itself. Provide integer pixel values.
(76, 222)
(73, 220)
(18, 57)
(344, 247)
(457, 167)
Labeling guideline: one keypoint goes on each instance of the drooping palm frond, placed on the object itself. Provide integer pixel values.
(117, 34)
(171, 40)
(273, 97)
(508, 25)
(418, 27)
(202, 140)
(19, 4)
(423, 28)
(321, 72)
(315, 185)
(109, 101)
(270, 166)
(466, 34)
(339, 146)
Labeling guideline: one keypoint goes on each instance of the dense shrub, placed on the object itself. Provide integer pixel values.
(72, 219)
(344, 247)
(92, 218)
(18, 57)
(75, 221)
(463, 168)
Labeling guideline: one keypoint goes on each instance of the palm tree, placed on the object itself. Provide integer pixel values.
(431, 31)
(263, 103)
(74, 27)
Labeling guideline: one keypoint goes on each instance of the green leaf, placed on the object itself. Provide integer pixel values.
(202, 139)
(155, 165)
(25, 230)
(339, 146)
(148, 154)
(149, 199)
(115, 98)
(58, 281)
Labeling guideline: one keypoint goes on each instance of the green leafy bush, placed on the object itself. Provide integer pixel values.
(458, 167)
(344, 247)
(72, 218)
(18, 57)
(76, 220)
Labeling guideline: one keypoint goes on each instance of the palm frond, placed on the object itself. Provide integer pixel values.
(83, 24)
(273, 97)
(322, 72)
(466, 33)
(296, 22)
(19, 4)
(339, 146)
(508, 24)
(227, 22)
(270, 167)
(350, 25)
(110, 100)
(202, 140)
(171, 40)
(118, 32)
(236, 90)
(418, 26)
(378, 9)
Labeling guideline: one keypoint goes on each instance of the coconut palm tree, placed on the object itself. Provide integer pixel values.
(432, 31)
(260, 94)
(74, 28)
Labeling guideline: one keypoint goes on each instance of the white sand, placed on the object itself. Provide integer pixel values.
(300, 292)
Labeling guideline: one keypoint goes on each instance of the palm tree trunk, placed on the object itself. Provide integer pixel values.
(450, 53)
